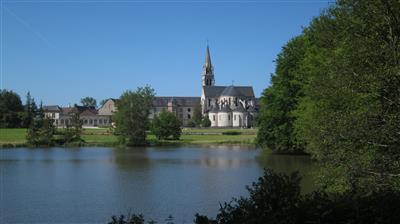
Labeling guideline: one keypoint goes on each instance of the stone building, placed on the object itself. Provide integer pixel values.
(183, 107)
(89, 116)
(226, 106)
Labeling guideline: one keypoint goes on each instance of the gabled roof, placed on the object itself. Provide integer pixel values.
(231, 91)
(216, 91)
(52, 108)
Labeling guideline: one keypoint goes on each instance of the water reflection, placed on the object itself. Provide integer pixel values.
(90, 184)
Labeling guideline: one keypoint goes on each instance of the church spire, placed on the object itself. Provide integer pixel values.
(208, 70)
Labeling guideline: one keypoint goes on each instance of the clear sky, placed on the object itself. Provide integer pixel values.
(64, 50)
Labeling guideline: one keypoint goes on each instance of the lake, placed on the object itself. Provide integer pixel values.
(90, 184)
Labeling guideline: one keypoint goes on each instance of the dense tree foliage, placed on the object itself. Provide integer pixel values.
(131, 118)
(89, 102)
(11, 109)
(29, 111)
(336, 93)
(41, 131)
(205, 122)
(276, 198)
(278, 102)
(166, 125)
(197, 115)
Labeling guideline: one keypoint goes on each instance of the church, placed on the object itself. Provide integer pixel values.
(225, 106)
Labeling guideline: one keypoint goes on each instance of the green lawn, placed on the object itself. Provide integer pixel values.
(12, 135)
(103, 136)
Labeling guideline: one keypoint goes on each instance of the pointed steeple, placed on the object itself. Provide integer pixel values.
(207, 64)
(208, 70)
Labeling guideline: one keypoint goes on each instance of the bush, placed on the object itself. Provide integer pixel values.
(191, 123)
(205, 122)
(231, 133)
(166, 125)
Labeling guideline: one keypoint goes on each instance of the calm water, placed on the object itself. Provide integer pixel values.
(90, 184)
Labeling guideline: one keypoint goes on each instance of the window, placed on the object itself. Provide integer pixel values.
(209, 102)
(53, 115)
(188, 109)
(105, 121)
(90, 121)
(56, 121)
(213, 117)
(229, 101)
(85, 121)
(188, 116)
(100, 121)
(180, 110)
(229, 117)
(62, 121)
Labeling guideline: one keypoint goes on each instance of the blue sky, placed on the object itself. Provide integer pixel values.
(64, 50)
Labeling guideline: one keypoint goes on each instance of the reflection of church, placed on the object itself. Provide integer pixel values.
(226, 106)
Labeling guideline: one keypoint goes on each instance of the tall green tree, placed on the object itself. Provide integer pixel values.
(278, 102)
(166, 125)
(89, 102)
(131, 118)
(41, 130)
(10, 109)
(350, 116)
(29, 111)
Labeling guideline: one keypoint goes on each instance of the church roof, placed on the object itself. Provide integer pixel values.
(231, 91)
(216, 91)
(214, 110)
(239, 108)
(225, 109)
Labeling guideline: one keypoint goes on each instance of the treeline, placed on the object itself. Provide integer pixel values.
(40, 128)
(14, 114)
(336, 95)
(276, 198)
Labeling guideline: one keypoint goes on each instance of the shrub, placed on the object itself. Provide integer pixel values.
(231, 133)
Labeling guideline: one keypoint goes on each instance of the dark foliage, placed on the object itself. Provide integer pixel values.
(166, 125)
(10, 109)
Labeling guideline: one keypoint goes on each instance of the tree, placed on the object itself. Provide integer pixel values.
(10, 109)
(205, 122)
(131, 118)
(89, 102)
(197, 115)
(349, 116)
(278, 102)
(29, 111)
(41, 130)
(166, 125)
(73, 131)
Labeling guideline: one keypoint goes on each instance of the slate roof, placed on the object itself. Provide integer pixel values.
(231, 91)
(162, 101)
(216, 91)
(239, 108)
(225, 109)
(52, 108)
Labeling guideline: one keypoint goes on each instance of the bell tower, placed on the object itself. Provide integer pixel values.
(208, 71)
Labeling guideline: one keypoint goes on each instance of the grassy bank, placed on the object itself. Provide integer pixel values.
(104, 137)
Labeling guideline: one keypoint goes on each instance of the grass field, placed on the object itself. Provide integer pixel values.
(104, 137)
